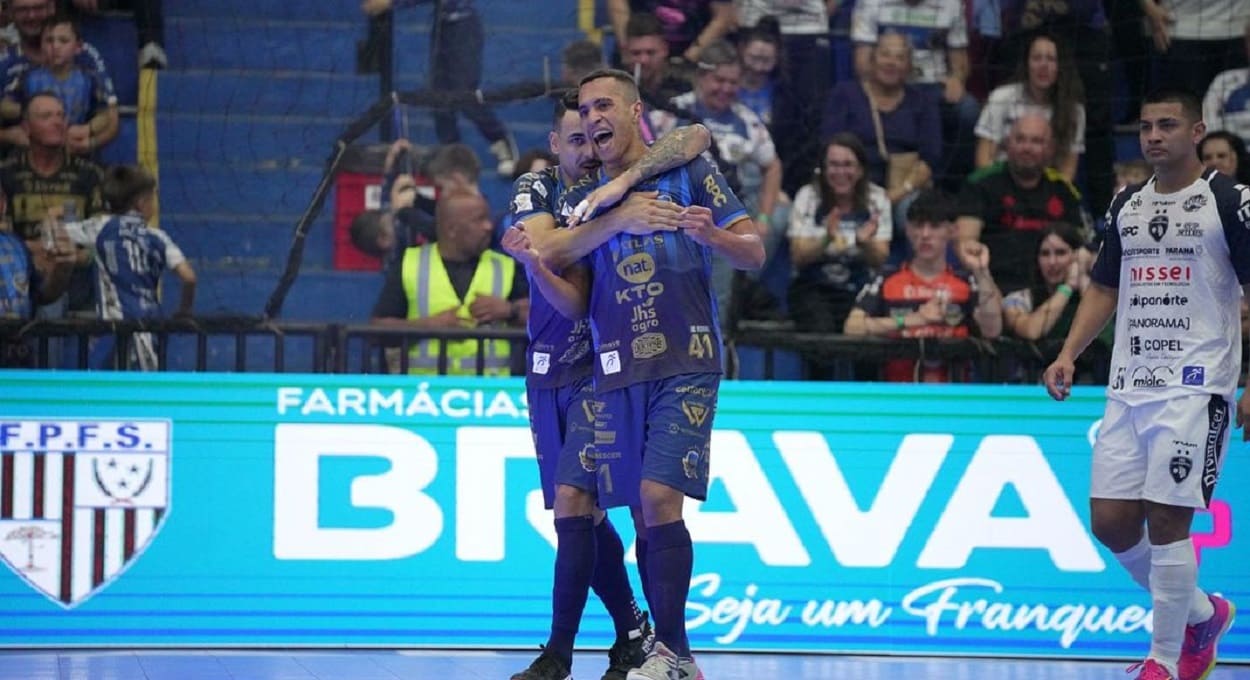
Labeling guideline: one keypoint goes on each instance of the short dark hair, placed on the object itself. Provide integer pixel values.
(618, 75)
(525, 160)
(42, 94)
(61, 18)
(124, 185)
(1191, 105)
(566, 100)
(933, 206)
(642, 24)
(451, 158)
(364, 231)
(719, 53)
(580, 57)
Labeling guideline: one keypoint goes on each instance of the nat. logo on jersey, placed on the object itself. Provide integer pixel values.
(80, 500)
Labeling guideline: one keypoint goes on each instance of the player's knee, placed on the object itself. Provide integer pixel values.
(1167, 523)
(640, 522)
(661, 503)
(1113, 532)
(573, 502)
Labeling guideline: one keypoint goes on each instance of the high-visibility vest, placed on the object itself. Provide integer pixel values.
(429, 291)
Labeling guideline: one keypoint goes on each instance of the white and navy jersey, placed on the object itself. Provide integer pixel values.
(131, 257)
(1179, 261)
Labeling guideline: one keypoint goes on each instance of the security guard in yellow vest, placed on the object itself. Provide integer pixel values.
(456, 282)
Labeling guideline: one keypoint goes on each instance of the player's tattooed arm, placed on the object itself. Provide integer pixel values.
(674, 149)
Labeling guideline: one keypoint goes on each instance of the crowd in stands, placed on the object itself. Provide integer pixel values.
(946, 184)
(75, 238)
(942, 178)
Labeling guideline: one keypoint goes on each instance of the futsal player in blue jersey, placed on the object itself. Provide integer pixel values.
(657, 351)
(589, 552)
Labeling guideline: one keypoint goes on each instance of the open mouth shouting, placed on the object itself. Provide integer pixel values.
(602, 139)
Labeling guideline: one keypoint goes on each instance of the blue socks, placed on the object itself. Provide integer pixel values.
(575, 565)
(611, 582)
(670, 557)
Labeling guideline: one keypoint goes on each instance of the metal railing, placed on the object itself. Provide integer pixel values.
(234, 344)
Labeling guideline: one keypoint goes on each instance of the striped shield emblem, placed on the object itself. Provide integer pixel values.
(80, 500)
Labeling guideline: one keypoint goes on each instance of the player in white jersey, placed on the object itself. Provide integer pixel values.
(1172, 267)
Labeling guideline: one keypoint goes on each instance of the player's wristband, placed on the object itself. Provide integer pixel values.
(763, 218)
(900, 321)
(1065, 289)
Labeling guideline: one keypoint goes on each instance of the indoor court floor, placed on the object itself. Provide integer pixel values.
(475, 665)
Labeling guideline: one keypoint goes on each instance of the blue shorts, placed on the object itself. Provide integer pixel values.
(659, 430)
(562, 424)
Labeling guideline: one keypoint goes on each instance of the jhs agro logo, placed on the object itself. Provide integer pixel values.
(80, 500)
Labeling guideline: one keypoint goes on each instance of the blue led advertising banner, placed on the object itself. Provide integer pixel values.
(214, 509)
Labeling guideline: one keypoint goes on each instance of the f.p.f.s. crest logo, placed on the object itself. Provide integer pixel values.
(80, 500)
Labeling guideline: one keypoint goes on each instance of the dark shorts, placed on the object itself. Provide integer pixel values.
(659, 430)
(563, 427)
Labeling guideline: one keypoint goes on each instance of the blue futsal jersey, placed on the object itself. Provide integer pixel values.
(652, 310)
(13, 63)
(82, 91)
(132, 257)
(559, 349)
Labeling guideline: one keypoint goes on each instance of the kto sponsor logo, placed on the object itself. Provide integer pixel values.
(639, 293)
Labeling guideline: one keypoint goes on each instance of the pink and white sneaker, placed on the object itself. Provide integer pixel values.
(1151, 670)
(1198, 655)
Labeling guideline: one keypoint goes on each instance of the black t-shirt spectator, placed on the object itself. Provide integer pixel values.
(1013, 216)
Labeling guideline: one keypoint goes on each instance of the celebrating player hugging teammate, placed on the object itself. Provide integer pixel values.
(589, 552)
(657, 361)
